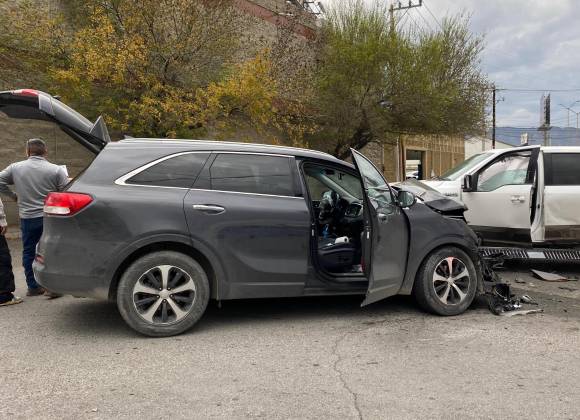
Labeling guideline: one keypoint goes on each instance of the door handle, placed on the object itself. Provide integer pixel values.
(209, 208)
(383, 217)
(518, 199)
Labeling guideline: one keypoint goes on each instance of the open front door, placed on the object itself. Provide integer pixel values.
(386, 231)
(502, 202)
(36, 105)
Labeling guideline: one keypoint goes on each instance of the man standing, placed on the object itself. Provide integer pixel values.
(6, 275)
(33, 179)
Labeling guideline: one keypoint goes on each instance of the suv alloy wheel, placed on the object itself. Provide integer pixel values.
(163, 294)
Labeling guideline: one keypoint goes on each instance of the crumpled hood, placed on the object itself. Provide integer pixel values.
(431, 197)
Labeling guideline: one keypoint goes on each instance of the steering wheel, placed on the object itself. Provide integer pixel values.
(328, 203)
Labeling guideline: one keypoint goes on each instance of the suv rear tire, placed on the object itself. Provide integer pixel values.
(446, 282)
(163, 294)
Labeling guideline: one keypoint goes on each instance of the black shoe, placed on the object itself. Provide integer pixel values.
(37, 291)
(15, 300)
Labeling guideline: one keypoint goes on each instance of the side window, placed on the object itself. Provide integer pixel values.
(511, 169)
(258, 174)
(179, 171)
(562, 168)
(373, 180)
(321, 179)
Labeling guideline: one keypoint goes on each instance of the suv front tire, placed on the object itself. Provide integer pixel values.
(446, 283)
(163, 294)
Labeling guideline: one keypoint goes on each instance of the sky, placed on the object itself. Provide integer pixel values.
(530, 44)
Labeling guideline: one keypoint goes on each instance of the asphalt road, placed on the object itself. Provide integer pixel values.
(294, 358)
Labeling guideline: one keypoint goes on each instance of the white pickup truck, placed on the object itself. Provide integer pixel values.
(525, 197)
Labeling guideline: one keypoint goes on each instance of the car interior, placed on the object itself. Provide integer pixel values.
(337, 203)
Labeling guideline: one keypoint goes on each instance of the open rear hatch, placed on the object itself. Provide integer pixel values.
(36, 105)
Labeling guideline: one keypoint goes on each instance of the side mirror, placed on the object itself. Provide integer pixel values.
(406, 198)
(468, 183)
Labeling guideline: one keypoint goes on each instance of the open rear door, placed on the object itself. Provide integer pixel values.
(386, 231)
(37, 105)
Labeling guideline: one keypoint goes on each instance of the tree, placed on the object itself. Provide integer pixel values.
(141, 63)
(176, 68)
(30, 42)
(373, 80)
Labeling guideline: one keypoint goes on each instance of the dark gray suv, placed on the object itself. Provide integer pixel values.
(163, 226)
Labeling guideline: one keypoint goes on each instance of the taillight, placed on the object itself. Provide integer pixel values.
(65, 203)
(25, 92)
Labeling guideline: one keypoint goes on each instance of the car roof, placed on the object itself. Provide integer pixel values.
(545, 149)
(561, 149)
(225, 146)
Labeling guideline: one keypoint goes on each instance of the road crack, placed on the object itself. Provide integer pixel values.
(338, 359)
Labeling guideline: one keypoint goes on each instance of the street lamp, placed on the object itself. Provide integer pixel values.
(569, 108)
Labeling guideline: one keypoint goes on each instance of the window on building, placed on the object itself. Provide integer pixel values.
(562, 168)
(179, 171)
(257, 174)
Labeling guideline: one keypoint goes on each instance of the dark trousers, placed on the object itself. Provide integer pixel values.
(6, 275)
(31, 233)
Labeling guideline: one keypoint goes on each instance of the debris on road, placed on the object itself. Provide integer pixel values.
(522, 312)
(519, 281)
(528, 299)
(503, 302)
(570, 289)
(543, 275)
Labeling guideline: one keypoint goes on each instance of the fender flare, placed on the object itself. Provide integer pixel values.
(415, 263)
(219, 281)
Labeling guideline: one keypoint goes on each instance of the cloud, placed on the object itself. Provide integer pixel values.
(530, 44)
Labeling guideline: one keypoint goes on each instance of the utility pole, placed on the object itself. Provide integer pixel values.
(409, 5)
(400, 6)
(493, 118)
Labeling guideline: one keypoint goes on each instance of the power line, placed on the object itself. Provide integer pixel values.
(425, 20)
(400, 21)
(417, 26)
(431, 13)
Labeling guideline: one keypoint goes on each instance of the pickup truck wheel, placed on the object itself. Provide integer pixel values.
(163, 294)
(446, 283)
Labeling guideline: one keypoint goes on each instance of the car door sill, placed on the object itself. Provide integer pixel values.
(321, 291)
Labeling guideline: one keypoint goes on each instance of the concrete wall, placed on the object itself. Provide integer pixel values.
(61, 148)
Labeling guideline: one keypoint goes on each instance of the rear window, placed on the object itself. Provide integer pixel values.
(257, 174)
(562, 168)
(179, 171)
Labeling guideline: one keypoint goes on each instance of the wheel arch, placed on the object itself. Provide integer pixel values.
(413, 268)
(211, 270)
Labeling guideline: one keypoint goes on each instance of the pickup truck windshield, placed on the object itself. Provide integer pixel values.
(464, 167)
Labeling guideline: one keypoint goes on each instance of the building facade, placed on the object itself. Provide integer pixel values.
(431, 155)
(478, 144)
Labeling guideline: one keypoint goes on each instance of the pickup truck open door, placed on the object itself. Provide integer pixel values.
(501, 197)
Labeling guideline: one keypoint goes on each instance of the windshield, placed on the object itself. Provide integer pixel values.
(464, 167)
